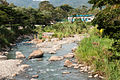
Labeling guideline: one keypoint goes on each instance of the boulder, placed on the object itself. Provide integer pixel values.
(19, 55)
(69, 55)
(36, 54)
(55, 58)
(3, 57)
(68, 63)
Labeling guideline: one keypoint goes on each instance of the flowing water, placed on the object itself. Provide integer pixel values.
(47, 70)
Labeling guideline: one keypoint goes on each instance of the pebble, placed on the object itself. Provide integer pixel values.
(35, 76)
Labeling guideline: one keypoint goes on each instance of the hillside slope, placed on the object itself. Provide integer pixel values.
(34, 4)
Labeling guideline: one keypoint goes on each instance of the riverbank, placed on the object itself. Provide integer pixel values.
(11, 68)
(96, 52)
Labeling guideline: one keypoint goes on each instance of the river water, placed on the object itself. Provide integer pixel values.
(47, 70)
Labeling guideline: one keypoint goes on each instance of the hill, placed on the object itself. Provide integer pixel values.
(34, 4)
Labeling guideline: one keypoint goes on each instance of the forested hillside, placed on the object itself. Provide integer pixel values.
(34, 4)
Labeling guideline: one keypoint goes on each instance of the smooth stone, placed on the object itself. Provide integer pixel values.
(33, 79)
(69, 55)
(52, 52)
(35, 76)
(36, 54)
(55, 58)
(19, 55)
(66, 72)
(3, 57)
(68, 63)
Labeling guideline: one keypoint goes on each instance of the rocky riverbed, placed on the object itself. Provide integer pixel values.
(56, 59)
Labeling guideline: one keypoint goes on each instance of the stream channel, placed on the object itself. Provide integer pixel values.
(47, 70)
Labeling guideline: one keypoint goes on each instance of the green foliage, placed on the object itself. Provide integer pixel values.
(94, 51)
(67, 29)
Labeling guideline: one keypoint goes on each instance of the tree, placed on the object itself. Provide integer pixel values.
(109, 19)
(66, 7)
(45, 5)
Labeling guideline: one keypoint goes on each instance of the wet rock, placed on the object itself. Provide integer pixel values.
(33, 79)
(69, 55)
(57, 47)
(54, 39)
(13, 75)
(35, 76)
(90, 76)
(74, 49)
(76, 66)
(96, 75)
(39, 59)
(101, 77)
(5, 53)
(19, 55)
(55, 58)
(66, 72)
(36, 54)
(24, 66)
(52, 52)
(3, 57)
(68, 63)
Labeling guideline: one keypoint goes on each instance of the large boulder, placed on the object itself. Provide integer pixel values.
(68, 63)
(3, 57)
(55, 58)
(19, 55)
(36, 54)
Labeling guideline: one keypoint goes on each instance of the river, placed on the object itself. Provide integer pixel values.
(47, 70)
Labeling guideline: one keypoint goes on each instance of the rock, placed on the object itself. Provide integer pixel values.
(5, 53)
(24, 66)
(13, 75)
(36, 54)
(33, 79)
(96, 75)
(19, 55)
(3, 57)
(76, 66)
(52, 52)
(39, 59)
(90, 76)
(69, 55)
(68, 63)
(66, 72)
(35, 76)
(74, 49)
(54, 39)
(57, 47)
(101, 77)
(55, 58)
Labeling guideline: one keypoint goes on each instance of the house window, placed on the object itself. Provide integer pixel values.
(89, 18)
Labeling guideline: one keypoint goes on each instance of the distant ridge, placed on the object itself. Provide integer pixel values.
(34, 4)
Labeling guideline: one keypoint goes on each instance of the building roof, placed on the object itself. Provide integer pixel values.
(81, 15)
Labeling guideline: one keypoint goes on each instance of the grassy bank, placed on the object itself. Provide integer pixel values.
(95, 51)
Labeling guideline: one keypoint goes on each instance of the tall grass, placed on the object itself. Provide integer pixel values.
(94, 51)
(67, 29)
